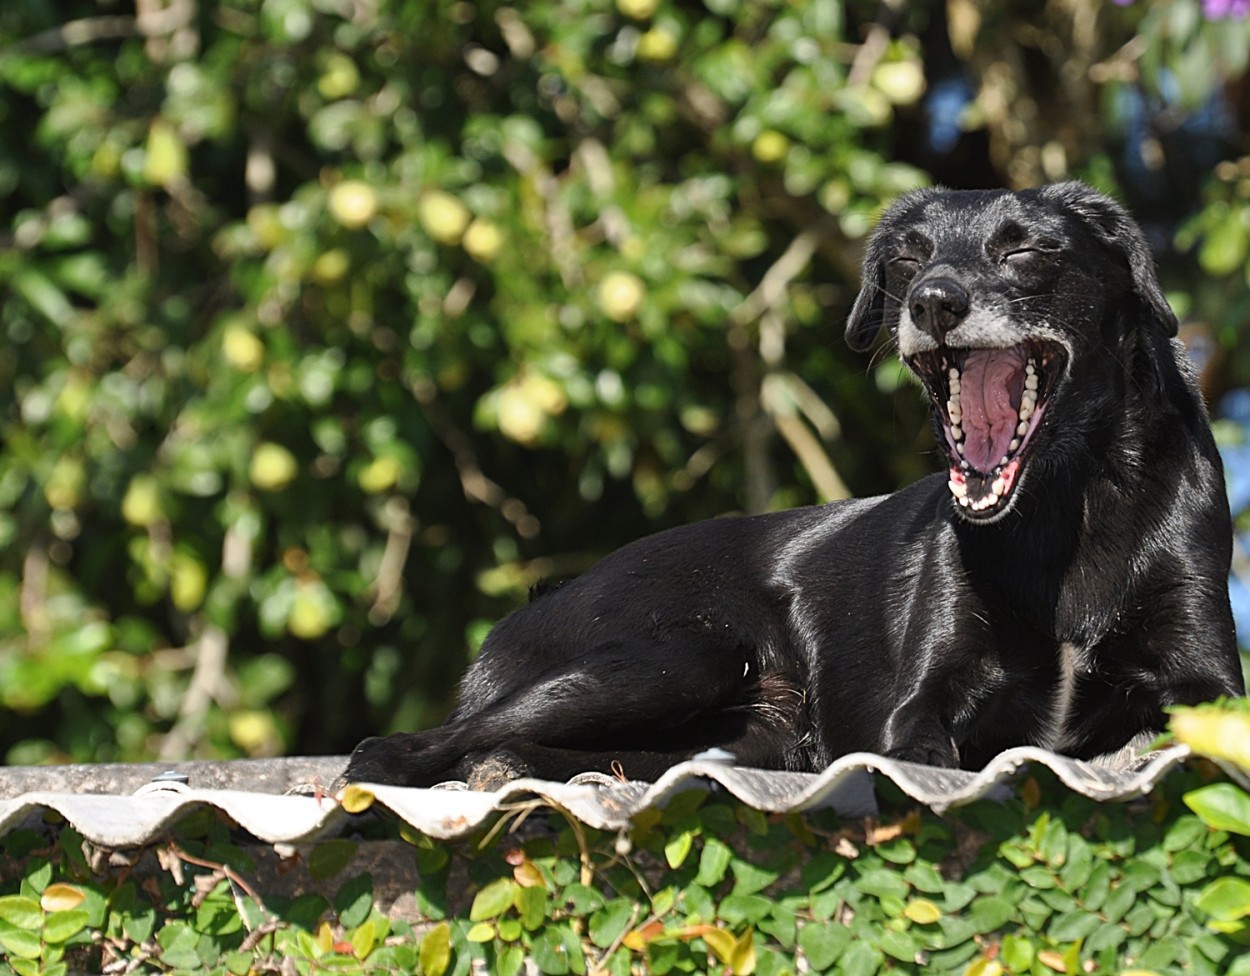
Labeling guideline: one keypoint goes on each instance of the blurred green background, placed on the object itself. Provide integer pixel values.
(331, 326)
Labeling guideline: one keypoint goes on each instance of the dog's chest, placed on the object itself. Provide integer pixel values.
(1056, 734)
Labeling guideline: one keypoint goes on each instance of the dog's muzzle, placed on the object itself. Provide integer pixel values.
(988, 404)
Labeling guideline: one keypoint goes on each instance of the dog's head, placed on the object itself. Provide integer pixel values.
(992, 297)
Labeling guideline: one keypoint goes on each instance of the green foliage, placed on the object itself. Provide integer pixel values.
(331, 328)
(1058, 883)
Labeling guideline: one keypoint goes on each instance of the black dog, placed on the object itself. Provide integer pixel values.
(1062, 585)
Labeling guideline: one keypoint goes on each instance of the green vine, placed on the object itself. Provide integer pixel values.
(1047, 882)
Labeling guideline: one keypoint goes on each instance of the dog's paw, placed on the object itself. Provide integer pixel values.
(388, 760)
(943, 755)
(489, 771)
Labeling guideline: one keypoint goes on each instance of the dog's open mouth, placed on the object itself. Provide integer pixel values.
(989, 403)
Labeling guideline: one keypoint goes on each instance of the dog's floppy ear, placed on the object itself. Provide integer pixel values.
(868, 313)
(1114, 227)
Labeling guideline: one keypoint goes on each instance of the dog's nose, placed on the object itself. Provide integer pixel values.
(938, 305)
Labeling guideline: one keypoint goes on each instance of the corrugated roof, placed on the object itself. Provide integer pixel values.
(125, 806)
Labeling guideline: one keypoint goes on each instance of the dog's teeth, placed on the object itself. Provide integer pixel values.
(957, 432)
(1022, 428)
(1003, 463)
(1014, 445)
(1030, 381)
(999, 487)
(953, 373)
(956, 386)
(958, 488)
(1026, 409)
(1029, 368)
(955, 410)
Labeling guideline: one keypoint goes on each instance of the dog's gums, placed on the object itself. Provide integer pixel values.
(988, 404)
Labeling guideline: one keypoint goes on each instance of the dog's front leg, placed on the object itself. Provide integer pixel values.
(919, 727)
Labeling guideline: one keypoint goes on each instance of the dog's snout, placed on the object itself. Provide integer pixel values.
(938, 305)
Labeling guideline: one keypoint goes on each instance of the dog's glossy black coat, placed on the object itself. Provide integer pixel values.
(1093, 599)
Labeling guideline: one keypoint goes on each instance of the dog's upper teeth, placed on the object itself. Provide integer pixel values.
(957, 432)
(1022, 428)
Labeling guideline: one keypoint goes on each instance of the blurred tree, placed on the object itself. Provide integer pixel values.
(333, 326)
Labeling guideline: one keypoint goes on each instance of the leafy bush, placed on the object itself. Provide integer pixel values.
(332, 327)
(1045, 882)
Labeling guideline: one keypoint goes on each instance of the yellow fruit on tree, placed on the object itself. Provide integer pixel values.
(620, 295)
(482, 240)
(141, 505)
(273, 467)
(638, 9)
(902, 82)
(443, 216)
(165, 155)
(770, 146)
(657, 44)
(379, 475)
(242, 349)
(352, 203)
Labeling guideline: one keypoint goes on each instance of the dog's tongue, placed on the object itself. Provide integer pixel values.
(988, 380)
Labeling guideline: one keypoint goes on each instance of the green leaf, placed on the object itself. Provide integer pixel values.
(860, 959)
(20, 942)
(823, 944)
(713, 862)
(1017, 953)
(330, 857)
(354, 901)
(882, 883)
(581, 899)
(63, 926)
(1226, 899)
(21, 912)
(990, 913)
(493, 900)
(1224, 249)
(750, 878)
(678, 848)
(1073, 926)
(744, 909)
(551, 951)
(900, 945)
(509, 961)
(924, 877)
(364, 939)
(435, 954)
(1222, 806)
(610, 922)
(1185, 833)
(531, 903)
(1190, 867)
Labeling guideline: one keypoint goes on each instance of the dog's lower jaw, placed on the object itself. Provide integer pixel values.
(988, 403)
